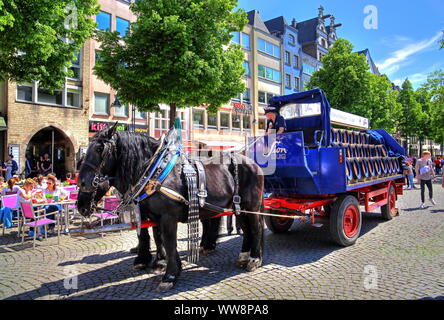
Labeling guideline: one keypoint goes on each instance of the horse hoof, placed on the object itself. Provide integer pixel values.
(253, 264)
(140, 267)
(165, 286)
(160, 266)
(243, 259)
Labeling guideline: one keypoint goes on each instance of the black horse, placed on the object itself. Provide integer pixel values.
(124, 155)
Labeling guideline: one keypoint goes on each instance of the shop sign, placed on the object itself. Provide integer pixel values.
(242, 108)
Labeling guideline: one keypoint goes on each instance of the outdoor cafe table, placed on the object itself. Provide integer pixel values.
(65, 205)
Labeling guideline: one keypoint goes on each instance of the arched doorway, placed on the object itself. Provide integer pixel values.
(57, 145)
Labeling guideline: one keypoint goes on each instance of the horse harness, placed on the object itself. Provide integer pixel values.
(157, 170)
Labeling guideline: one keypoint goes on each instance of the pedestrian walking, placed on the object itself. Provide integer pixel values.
(409, 176)
(424, 175)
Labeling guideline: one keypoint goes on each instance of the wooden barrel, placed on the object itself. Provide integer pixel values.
(377, 166)
(383, 151)
(364, 168)
(356, 168)
(357, 137)
(371, 167)
(349, 170)
(395, 165)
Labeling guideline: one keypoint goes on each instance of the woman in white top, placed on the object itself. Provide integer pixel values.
(25, 194)
(55, 191)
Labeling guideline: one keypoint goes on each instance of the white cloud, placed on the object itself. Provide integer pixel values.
(391, 64)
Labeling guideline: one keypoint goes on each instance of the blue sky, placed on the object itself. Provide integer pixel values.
(405, 43)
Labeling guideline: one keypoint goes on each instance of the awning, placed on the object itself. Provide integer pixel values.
(3, 126)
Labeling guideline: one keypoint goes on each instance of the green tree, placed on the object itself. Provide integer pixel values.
(177, 52)
(381, 105)
(411, 111)
(350, 87)
(32, 33)
(344, 77)
(423, 96)
(435, 88)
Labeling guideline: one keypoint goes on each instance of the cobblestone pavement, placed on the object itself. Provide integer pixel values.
(406, 253)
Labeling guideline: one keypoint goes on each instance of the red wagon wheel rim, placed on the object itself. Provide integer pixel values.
(351, 221)
(392, 201)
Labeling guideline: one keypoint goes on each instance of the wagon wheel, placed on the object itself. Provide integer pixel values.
(345, 221)
(278, 224)
(389, 210)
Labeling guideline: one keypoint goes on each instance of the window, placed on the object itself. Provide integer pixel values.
(101, 103)
(308, 69)
(75, 67)
(74, 98)
(236, 121)
(246, 96)
(24, 93)
(198, 118)
(269, 73)
(224, 120)
(296, 61)
(44, 96)
(288, 80)
(236, 37)
(121, 111)
(103, 20)
(246, 41)
(246, 122)
(212, 121)
(291, 39)
(287, 58)
(297, 85)
(161, 119)
(264, 97)
(246, 65)
(324, 43)
(269, 48)
(122, 26)
(140, 114)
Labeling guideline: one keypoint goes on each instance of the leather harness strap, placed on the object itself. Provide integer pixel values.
(202, 183)
(236, 197)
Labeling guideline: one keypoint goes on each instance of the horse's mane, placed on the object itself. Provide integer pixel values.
(133, 152)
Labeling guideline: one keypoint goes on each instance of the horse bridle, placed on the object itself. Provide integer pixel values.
(109, 146)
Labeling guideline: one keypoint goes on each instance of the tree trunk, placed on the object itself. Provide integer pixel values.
(172, 114)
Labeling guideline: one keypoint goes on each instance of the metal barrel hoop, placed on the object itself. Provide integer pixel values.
(356, 169)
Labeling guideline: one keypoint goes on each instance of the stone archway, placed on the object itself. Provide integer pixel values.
(57, 144)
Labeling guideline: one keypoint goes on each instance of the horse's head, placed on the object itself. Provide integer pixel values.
(99, 164)
(84, 199)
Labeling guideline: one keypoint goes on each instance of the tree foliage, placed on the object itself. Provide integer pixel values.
(31, 38)
(434, 87)
(411, 111)
(350, 87)
(177, 52)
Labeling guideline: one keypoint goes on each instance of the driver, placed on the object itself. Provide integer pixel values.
(275, 121)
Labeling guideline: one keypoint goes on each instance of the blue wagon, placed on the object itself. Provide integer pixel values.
(320, 172)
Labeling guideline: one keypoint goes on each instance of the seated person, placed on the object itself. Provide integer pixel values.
(69, 178)
(55, 191)
(11, 188)
(275, 121)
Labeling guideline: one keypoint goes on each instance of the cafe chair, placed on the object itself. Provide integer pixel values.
(35, 218)
(110, 203)
(10, 201)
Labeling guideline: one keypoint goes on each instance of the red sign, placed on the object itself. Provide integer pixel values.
(242, 108)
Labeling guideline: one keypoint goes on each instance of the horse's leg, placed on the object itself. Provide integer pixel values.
(256, 226)
(212, 234)
(144, 258)
(160, 260)
(168, 227)
(244, 256)
(205, 231)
